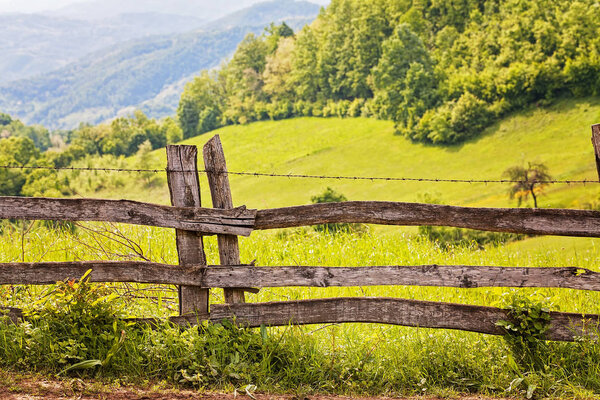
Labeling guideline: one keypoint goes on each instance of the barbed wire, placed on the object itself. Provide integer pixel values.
(306, 176)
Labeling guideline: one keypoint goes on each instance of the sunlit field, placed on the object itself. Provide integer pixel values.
(330, 358)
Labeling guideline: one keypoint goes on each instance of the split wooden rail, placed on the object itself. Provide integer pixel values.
(194, 277)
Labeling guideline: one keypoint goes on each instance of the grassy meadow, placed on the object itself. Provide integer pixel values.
(558, 136)
(346, 358)
(340, 358)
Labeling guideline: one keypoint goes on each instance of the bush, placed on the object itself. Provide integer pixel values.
(448, 237)
(279, 110)
(454, 122)
(331, 196)
(355, 108)
(77, 326)
(529, 321)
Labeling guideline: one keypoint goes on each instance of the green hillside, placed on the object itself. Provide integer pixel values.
(140, 73)
(558, 136)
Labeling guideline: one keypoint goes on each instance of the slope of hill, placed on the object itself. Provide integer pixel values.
(558, 136)
(99, 9)
(33, 44)
(97, 87)
(147, 73)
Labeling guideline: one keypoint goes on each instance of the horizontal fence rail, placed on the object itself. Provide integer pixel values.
(540, 221)
(404, 312)
(237, 221)
(241, 221)
(238, 276)
(415, 313)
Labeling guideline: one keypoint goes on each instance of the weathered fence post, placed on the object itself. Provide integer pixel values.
(216, 170)
(184, 187)
(596, 143)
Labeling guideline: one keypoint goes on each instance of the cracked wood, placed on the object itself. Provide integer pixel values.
(184, 188)
(541, 221)
(415, 313)
(220, 191)
(237, 221)
(238, 276)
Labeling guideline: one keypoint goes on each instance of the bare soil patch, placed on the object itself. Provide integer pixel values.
(18, 386)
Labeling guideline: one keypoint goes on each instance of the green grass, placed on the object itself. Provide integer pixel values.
(346, 358)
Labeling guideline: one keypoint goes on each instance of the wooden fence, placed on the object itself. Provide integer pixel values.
(194, 277)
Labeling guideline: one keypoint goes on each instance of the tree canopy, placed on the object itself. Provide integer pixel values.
(442, 70)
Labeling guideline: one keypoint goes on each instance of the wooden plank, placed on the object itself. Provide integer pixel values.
(237, 276)
(218, 181)
(459, 276)
(404, 312)
(184, 188)
(596, 144)
(237, 221)
(45, 273)
(541, 221)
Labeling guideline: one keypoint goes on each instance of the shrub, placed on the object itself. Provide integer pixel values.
(279, 110)
(77, 326)
(454, 122)
(529, 321)
(331, 196)
(447, 237)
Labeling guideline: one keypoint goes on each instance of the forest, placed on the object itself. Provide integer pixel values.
(442, 70)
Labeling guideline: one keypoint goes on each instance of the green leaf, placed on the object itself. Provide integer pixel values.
(87, 364)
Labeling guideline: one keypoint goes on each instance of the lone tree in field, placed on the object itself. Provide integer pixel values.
(530, 180)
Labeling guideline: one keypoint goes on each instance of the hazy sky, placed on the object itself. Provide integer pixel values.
(28, 6)
(32, 5)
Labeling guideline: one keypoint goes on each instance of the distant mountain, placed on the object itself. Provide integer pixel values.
(145, 73)
(101, 9)
(271, 11)
(101, 84)
(33, 44)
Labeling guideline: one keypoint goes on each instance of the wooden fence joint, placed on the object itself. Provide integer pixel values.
(184, 188)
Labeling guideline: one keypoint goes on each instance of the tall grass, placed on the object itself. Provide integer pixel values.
(344, 358)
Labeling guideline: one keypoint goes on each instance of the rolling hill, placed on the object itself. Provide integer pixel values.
(146, 73)
(32, 44)
(558, 136)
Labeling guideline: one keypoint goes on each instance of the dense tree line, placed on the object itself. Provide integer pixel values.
(442, 70)
(34, 146)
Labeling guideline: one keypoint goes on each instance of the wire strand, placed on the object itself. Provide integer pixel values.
(305, 176)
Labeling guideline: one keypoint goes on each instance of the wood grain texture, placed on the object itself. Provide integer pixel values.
(206, 220)
(459, 276)
(542, 221)
(238, 276)
(596, 144)
(404, 312)
(184, 188)
(45, 273)
(239, 221)
(218, 181)
(416, 313)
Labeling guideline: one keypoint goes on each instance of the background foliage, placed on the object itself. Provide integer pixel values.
(441, 70)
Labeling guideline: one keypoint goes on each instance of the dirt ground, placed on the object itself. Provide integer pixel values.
(33, 387)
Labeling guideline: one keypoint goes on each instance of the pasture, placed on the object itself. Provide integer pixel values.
(333, 358)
